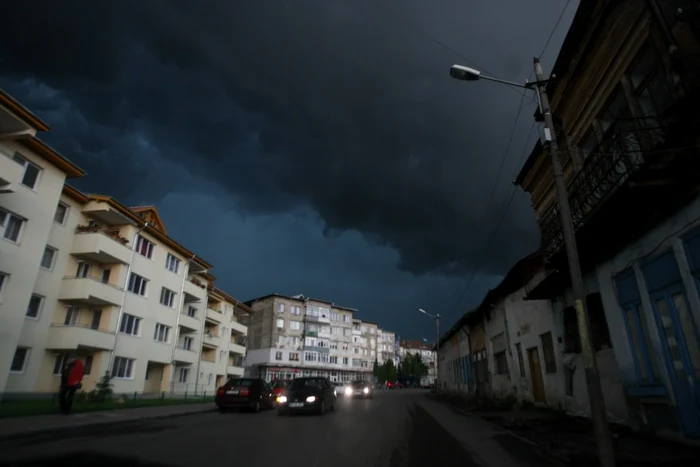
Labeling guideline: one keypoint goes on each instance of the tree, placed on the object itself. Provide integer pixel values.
(389, 371)
(375, 369)
(103, 389)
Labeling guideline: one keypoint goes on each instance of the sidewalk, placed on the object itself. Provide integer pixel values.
(570, 441)
(21, 426)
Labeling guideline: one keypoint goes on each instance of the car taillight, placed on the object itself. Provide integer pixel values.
(220, 391)
(244, 392)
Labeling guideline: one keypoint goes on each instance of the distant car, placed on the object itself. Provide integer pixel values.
(340, 388)
(360, 388)
(278, 386)
(315, 395)
(245, 393)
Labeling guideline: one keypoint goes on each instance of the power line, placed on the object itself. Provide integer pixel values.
(500, 222)
(441, 43)
(551, 34)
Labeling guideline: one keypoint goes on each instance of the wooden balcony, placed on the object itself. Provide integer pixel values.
(642, 171)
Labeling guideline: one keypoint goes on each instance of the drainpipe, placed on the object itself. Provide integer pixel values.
(121, 305)
(201, 337)
(180, 307)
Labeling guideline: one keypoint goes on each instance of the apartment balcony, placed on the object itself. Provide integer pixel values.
(90, 291)
(100, 247)
(211, 341)
(311, 318)
(642, 171)
(214, 316)
(10, 173)
(72, 337)
(312, 348)
(184, 356)
(194, 292)
(234, 371)
(238, 328)
(190, 323)
(236, 349)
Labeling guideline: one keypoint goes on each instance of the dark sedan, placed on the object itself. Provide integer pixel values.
(245, 393)
(360, 388)
(314, 395)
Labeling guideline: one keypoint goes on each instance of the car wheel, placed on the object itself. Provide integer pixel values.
(256, 407)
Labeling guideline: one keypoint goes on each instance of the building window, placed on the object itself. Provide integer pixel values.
(36, 302)
(345, 360)
(187, 343)
(278, 355)
(192, 312)
(88, 364)
(19, 360)
(310, 356)
(184, 375)
(649, 83)
(59, 363)
(280, 324)
(49, 257)
(137, 284)
(10, 226)
(123, 368)
(30, 177)
(334, 360)
(162, 333)
(295, 325)
(293, 356)
(96, 319)
(323, 357)
(144, 247)
(295, 310)
(280, 307)
(167, 297)
(346, 318)
(61, 214)
(83, 269)
(172, 264)
(498, 344)
(72, 315)
(550, 362)
(130, 325)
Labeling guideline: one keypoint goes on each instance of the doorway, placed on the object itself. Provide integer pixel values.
(533, 358)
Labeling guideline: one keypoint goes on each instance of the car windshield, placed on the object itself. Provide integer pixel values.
(244, 383)
(301, 383)
(359, 384)
(280, 384)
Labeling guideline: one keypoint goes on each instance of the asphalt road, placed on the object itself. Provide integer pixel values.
(392, 430)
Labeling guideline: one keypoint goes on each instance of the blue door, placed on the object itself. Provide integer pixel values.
(679, 337)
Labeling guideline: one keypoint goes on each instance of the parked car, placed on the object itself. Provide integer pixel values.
(360, 388)
(340, 388)
(245, 393)
(278, 386)
(307, 395)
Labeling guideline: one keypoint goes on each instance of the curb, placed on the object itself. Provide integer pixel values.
(91, 426)
(546, 454)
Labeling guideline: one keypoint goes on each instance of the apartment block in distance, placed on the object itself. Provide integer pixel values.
(298, 336)
(385, 346)
(427, 354)
(87, 276)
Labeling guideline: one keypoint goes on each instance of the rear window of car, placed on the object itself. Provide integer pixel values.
(359, 383)
(301, 383)
(240, 383)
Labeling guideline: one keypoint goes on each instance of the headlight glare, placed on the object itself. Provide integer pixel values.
(281, 399)
(311, 399)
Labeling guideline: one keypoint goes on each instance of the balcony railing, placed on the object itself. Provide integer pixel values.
(629, 146)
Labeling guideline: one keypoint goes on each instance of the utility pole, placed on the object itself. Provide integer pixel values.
(606, 453)
(437, 352)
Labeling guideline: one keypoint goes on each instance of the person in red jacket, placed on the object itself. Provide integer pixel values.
(71, 378)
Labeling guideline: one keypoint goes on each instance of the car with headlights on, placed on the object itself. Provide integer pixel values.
(279, 386)
(360, 388)
(245, 393)
(310, 395)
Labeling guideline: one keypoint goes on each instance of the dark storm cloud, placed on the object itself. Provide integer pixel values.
(332, 103)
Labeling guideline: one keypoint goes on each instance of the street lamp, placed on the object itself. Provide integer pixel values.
(436, 317)
(606, 454)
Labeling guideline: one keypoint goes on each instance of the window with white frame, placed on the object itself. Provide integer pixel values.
(137, 284)
(345, 360)
(310, 356)
(30, 176)
(183, 375)
(61, 214)
(144, 247)
(334, 360)
(280, 307)
(334, 316)
(295, 310)
(59, 363)
(278, 355)
(346, 318)
(36, 302)
(323, 357)
(83, 269)
(19, 360)
(293, 356)
(172, 264)
(334, 345)
(11, 226)
(280, 324)
(72, 315)
(187, 343)
(167, 297)
(123, 368)
(48, 258)
(295, 325)
(130, 325)
(162, 333)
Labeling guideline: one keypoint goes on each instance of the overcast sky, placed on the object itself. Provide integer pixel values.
(302, 146)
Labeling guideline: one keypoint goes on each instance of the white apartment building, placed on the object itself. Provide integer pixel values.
(385, 346)
(86, 276)
(426, 352)
(298, 336)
